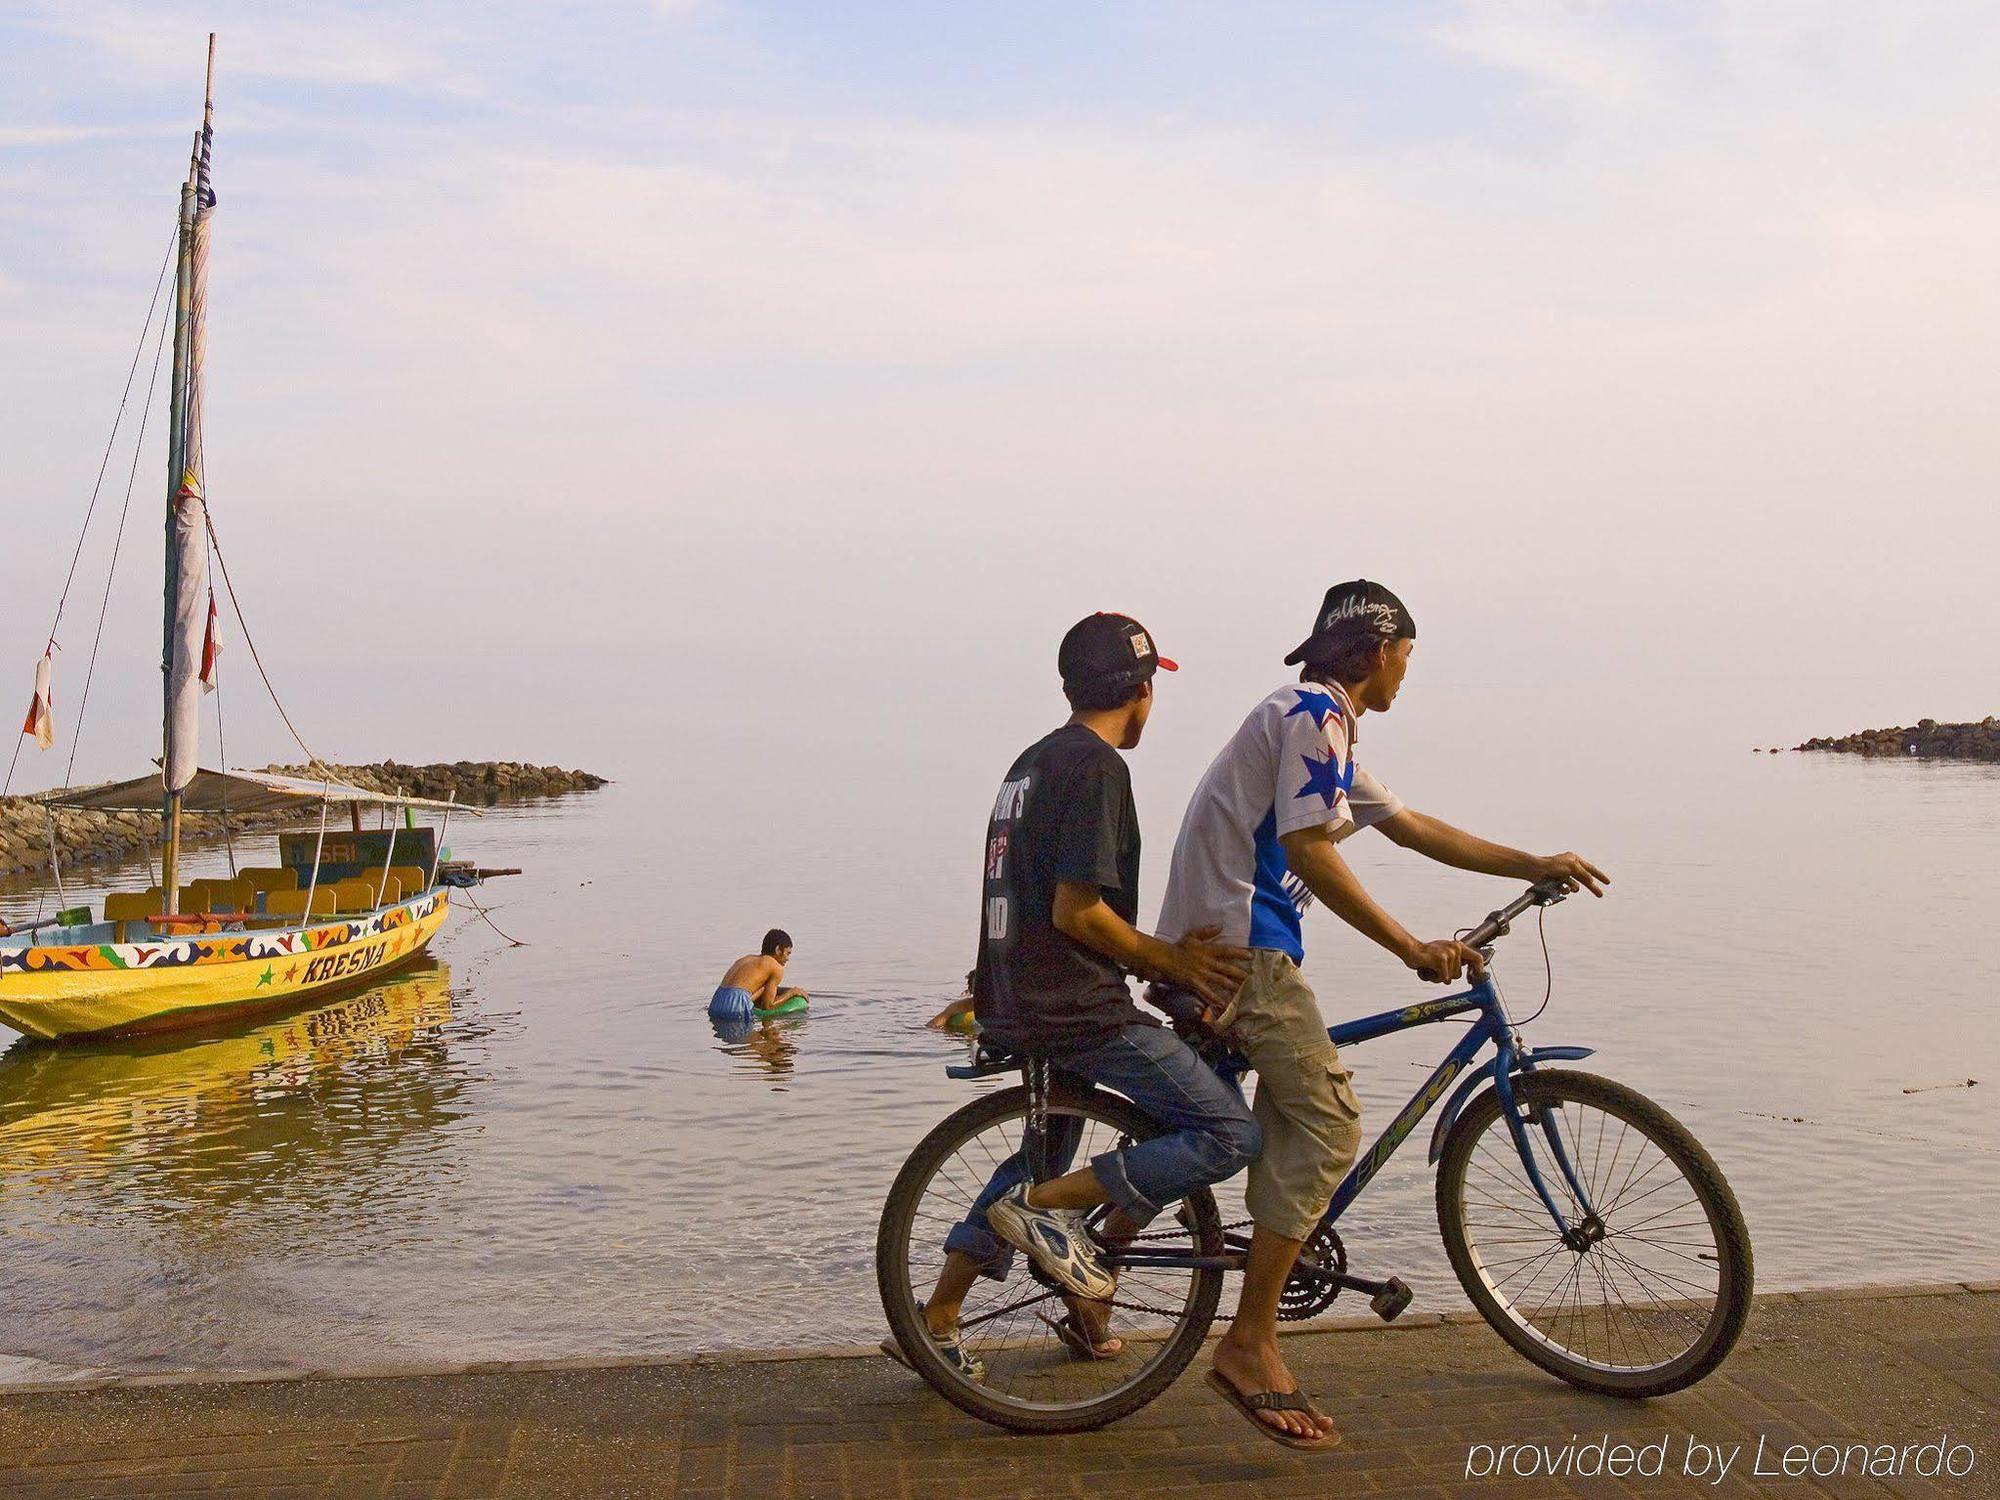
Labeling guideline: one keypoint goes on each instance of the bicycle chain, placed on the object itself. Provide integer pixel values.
(1174, 1234)
(1166, 1312)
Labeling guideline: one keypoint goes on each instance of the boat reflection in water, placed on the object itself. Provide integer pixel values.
(269, 1197)
(316, 1101)
(767, 1047)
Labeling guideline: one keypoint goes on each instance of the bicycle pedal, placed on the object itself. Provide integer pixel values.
(1394, 1298)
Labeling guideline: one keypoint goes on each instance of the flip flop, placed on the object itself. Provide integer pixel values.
(1069, 1329)
(1297, 1401)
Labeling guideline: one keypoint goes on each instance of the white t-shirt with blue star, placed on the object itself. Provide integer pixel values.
(1290, 766)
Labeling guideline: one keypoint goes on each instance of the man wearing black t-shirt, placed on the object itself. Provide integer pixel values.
(1055, 944)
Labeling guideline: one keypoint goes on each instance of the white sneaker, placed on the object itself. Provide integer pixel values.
(1055, 1240)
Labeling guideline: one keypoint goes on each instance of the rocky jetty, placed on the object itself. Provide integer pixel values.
(1927, 738)
(87, 837)
(481, 782)
(80, 837)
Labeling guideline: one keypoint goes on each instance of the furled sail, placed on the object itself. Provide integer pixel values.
(188, 525)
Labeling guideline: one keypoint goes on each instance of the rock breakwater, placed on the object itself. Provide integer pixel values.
(480, 782)
(89, 837)
(1927, 738)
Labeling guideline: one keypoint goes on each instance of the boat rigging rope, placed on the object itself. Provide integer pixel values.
(486, 917)
(102, 467)
(236, 608)
(117, 545)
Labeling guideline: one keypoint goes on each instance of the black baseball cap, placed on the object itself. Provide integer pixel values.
(1354, 611)
(1109, 651)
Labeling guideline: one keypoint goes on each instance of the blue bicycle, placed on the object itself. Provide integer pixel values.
(1587, 1226)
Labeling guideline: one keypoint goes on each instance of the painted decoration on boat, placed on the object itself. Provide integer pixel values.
(215, 948)
(124, 988)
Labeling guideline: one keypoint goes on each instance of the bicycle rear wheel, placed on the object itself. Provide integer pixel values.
(1657, 1297)
(1031, 1382)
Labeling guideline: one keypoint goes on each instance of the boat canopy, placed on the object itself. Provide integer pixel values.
(232, 791)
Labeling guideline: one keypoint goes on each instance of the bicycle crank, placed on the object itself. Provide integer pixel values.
(1322, 1275)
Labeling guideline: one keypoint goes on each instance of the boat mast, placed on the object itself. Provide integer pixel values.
(186, 511)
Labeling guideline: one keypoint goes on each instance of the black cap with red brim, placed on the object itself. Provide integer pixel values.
(1109, 651)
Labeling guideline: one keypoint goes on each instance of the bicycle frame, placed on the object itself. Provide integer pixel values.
(1550, 1121)
(1511, 1056)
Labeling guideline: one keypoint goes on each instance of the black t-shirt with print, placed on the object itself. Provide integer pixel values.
(1064, 813)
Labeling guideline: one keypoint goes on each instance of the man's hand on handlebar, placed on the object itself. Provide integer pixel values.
(1215, 971)
(1442, 961)
(1574, 871)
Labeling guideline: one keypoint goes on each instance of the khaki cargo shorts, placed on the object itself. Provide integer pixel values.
(1305, 1101)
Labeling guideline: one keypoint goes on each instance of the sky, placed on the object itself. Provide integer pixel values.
(751, 394)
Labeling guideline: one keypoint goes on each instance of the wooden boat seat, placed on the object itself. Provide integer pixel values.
(411, 878)
(124, 907)
(356, 893)
(270, 878)
(369, 891)
(237, 895)
(286, 908)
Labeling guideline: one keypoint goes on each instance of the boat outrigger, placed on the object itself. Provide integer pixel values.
(339, 906)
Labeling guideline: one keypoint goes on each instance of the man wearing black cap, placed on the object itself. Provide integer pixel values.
(1256, 847)
(1056, 941)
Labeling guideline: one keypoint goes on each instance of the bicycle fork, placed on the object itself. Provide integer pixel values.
(1578, 1235)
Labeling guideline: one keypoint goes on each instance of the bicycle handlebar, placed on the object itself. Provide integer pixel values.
(1543, 893)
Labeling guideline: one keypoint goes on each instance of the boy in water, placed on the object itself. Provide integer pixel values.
(957, 1016)
(752, 981)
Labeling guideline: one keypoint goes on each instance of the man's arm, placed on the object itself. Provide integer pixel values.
(1212, 970)
(1436, 839)
(767, 992)
(1311, 854)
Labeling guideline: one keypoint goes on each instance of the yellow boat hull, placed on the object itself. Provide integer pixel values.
(115, 989)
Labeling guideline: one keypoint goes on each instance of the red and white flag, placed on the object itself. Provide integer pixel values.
(211, 647)
(41, 720)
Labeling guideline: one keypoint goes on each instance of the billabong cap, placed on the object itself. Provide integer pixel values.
(1110, 651)
(1354, 611)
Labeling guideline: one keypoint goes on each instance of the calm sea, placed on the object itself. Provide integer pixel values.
(547, 1150)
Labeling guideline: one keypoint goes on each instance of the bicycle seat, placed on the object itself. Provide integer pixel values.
(989, 1056)
(1181, 1006)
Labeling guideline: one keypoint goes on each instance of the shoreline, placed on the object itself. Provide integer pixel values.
(81, 1378)
(87, 837)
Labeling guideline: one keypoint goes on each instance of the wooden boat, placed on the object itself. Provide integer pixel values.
(193, 969)
(339, 907)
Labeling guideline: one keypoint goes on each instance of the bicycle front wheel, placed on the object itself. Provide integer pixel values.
(1654, 1292)
(1029, 1379)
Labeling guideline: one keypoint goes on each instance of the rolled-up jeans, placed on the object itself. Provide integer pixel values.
(1210, 1135)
